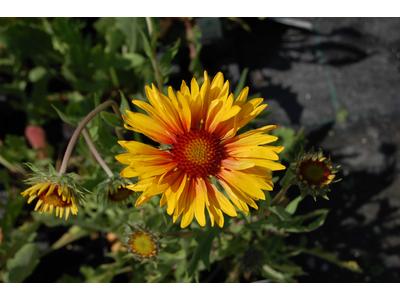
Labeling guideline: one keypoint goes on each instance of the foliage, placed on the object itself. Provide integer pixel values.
(69, 68)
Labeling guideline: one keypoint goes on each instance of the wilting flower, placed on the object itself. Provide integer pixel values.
(197, 129)
(114, 190)
(55, 191)
(313, 173)
(143, 244)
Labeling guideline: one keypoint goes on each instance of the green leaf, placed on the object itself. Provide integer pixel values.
(26, 233)
(135, 59)
(97, 119)
(165, 61)
(28, 41)
(128, 27)
(114, 38)
(319, 252)
(23, 264)
(124, 104)
(204, 241)
(304, 192)
(288, 176)
(273, 274)
(64, 117)
(241, 82)
(154, 34)
(74, 233)
(7, 221)
(106, 139)
(292, 206)
(146, 44)
(111, 119)
(281, 213)
(296, 223)
(246, 217)
(37, 73)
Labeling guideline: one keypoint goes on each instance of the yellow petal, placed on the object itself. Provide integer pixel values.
(67, 213)
(51, 189)
(200, 201)
(256, 152)
(45, 186)
(235, 164)
(242, 182)
(31, 198)
(218, 199)
(38, 205)
(61, 211)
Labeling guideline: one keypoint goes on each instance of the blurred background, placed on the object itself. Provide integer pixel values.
(336, 77)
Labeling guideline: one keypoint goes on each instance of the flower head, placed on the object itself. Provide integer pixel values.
(54, 191)
(198, 128)
(143, 244)
(313, 173)
(114, 191)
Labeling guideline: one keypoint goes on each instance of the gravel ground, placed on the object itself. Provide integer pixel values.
(345, 68)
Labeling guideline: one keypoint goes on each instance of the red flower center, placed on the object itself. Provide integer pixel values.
(121, 195)
(314, 172)
(53, 199)
(199, 153)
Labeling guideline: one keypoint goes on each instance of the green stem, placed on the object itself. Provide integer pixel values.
(96, 154)
(123, 270)
(82, 125)
(279, 196)
(153, 56)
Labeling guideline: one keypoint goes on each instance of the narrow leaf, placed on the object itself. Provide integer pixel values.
(241, 82)
(292, 206)
(111, 119)
(124, 104)
(64, 117)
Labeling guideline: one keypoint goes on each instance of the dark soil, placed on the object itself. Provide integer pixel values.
(309, 75)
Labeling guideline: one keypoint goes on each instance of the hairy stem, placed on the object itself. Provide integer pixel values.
(96, 154)
(82, 125)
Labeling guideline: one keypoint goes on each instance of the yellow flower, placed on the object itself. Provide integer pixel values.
(143, 244)
(54, 191)
(52, 196)
(197, 128)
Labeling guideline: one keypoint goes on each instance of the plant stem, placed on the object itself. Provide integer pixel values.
(153, 57)
(82, 125)
(279, 196)
(149, 27)
(96, 154)
(123, 270)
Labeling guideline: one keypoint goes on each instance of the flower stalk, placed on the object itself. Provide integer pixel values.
(96, 153)
(82, 125)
